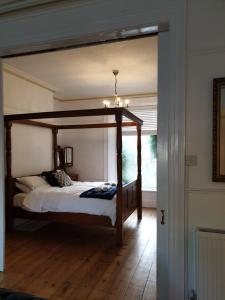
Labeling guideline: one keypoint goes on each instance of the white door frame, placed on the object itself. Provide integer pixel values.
(2, 180)
(163, 165)
(78, 19)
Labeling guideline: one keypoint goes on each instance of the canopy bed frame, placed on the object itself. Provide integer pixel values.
(129, 197)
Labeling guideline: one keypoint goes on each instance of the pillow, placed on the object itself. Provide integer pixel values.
(23, 188)
(32, 182)
(50, 178)
(63, 178)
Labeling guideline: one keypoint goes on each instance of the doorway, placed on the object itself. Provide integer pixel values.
(27, 88)
(164, 266)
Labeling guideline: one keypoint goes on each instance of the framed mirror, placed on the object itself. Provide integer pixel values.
(219, 129)
(68, 156)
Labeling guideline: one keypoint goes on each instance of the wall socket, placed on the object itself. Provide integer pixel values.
(191, 160)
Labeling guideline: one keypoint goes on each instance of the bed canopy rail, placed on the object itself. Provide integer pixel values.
(119, 113)
(76, 113)
(72, 126)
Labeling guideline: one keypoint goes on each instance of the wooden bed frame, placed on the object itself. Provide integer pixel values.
(129, 197)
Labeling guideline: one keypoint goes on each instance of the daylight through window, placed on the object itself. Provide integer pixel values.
(149, 150)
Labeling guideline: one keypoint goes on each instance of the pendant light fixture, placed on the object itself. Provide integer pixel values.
(117, 100)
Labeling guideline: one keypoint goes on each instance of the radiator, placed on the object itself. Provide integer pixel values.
(210, 265)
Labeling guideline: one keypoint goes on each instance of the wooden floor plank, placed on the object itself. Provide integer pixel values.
(115, 281)
(150, 288)
(69, 262)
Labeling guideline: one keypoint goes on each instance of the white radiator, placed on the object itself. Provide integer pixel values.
(210, 265)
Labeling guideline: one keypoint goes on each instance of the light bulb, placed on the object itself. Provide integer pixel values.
(117, 101)
(127, 103)
(106, 103)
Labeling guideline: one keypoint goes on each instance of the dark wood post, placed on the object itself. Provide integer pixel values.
(139, 179)
(119, 200)
(54, 147)
(8, 185)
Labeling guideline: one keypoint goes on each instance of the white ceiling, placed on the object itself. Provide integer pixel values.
(87, 72)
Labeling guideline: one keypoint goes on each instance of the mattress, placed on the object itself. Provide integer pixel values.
(67, 199)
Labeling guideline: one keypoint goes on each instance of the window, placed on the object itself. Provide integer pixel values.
(148, 113)
(149, 150)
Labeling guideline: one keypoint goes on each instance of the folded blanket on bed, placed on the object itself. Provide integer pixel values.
(107, 194)
(104, 187)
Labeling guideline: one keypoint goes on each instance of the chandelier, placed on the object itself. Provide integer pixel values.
(116, 102)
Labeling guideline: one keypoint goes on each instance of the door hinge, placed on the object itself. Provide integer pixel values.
(162, 216)
(193, 295)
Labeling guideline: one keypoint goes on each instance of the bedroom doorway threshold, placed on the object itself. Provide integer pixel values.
(148, 253)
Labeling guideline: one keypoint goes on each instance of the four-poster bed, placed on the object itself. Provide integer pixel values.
(129, 196)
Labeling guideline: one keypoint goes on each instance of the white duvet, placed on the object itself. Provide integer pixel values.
(66, 199)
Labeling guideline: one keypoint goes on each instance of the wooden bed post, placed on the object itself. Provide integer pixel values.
(139, 179)
(119, 200)
(54, 146)
(8, 191)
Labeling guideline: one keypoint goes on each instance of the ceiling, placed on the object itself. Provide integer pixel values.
(87, 72)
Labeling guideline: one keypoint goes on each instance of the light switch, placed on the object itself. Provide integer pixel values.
(191, 160)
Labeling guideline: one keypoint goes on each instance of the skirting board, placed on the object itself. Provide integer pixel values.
(149, 199)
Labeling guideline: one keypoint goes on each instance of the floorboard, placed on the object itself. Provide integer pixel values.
(70, 262)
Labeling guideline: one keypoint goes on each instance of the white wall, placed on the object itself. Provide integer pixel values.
(88, 144)
(206, 60)
(31, 146)
(31, 150)
(22, 96)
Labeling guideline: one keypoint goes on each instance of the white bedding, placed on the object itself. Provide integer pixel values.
(66, 199)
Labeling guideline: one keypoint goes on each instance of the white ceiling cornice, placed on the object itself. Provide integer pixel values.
(28, 77)
(7, 6)
(128, 96)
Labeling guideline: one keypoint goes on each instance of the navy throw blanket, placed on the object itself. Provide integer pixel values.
(92, 193)
(11, 295)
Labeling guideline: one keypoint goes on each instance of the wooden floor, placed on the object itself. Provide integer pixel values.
(67, 262)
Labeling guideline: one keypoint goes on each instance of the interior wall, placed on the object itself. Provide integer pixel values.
(22, 96)
(88, 144)
(31, 146)
(206, 60)
(31, 150)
